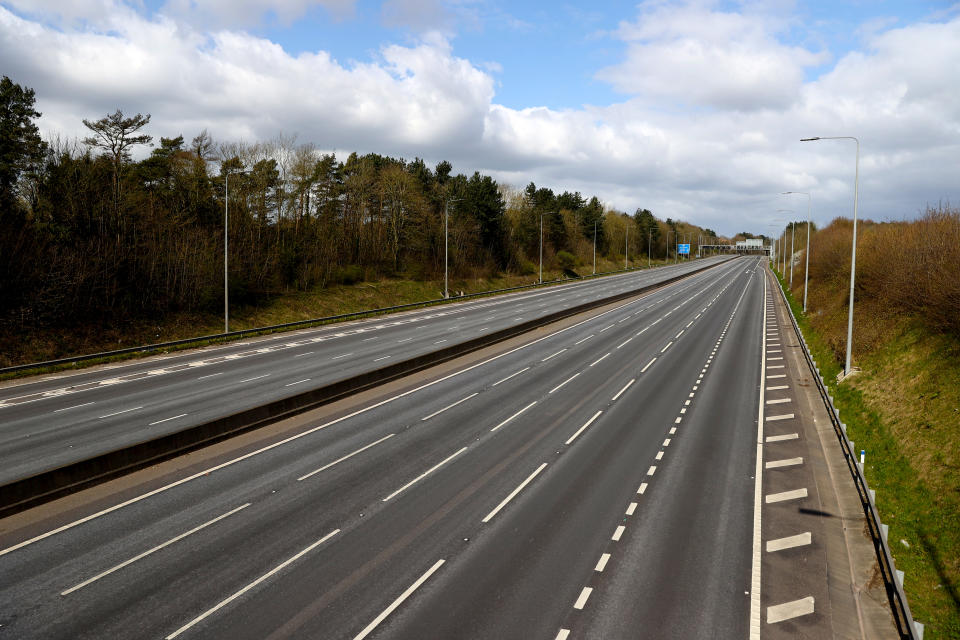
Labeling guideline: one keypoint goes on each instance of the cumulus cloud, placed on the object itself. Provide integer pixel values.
(719, 158)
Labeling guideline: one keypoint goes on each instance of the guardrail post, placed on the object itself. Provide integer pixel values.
(918, 629)
(885, 531)
(900, 577)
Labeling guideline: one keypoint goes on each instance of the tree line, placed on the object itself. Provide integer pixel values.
(87, 233)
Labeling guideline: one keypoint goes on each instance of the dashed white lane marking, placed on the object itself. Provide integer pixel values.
(779, 401)
(254, 378)
(515, 415)
(346, 457)
(787, 462)
(625, 387)
(652, 470)
(297, 382)
(602, 562)
(776, 366)
(631, 508)
(580, 430)
(673, 430)
(344, 355)
(167, 419)
(605, 328)
(679, 334)
(585, 339)
(553, 355)
(783, 496)
(785, 416)
(404, 340)
(563, 634)
(777, 375)
(596, 362)
(85, 404)
(666, 442)
(780, 544)
(242, 591)
(659, 455)
(439, 342)
(778, 387)
(510, 376)
(666, 347)
(563, 383)
(300, 355)
(648, 365)
(643, 488)
(380, 358)
(678, 420)
(582, 599)
(514, 493)
(212, 375)
(153, 550)
(396, 603)
(784, 437)
(617, 533)
(449, 406)
(423, 475)
(624, 342)
(789, 610)
(110, 415)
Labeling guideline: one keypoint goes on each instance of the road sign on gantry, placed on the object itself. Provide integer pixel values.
(683, 249)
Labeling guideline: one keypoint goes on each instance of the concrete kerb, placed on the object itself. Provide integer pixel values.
(48, 485)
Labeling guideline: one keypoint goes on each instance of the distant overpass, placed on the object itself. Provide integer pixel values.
(738, 248)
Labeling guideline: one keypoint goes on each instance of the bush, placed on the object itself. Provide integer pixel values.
(565, 260)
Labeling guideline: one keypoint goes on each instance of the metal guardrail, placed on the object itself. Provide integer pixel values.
(892, 577)
(293, 325)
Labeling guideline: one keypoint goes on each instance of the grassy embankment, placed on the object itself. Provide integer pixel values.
(41, 345)
(903, 409)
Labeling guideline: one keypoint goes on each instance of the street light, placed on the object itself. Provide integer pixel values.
(446, 246)
(806, 269)
(791, 243)
(626, 246)
(226, 229)
(853, 252)
(649, 239)
(594, 247)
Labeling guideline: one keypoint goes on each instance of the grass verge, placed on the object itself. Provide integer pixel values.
(903, 409)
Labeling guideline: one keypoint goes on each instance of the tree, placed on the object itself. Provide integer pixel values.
(647, 226)
(21, 149)
(115, 135)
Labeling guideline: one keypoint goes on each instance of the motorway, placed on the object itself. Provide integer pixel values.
(49, 422)
(593, 481)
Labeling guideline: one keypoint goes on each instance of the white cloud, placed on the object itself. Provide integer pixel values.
(720, 160)
(246, 13)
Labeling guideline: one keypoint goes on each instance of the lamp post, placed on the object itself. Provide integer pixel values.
(791, 243)
(806, 268)
(446, 246)
(853, 251)
(541, 248)
(626, 246)
(594, 247)
(649, 240)
(226, 240)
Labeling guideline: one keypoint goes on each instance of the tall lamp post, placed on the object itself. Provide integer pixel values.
(226, 240)
(626, 246)
(446, 246)
(853, 252)
(594, 247)
(791, 243)
(806, 268)
(649, 242)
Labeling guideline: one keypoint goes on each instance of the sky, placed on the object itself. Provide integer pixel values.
(691, 109)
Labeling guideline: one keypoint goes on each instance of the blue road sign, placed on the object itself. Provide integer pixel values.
(684, 248)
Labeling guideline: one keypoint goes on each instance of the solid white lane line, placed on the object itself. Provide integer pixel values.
(788, 462)
(154, 549)
(783, 496)
(631, 508)
(510, 376)
(553, 355)
(666, 347)
(648, 365)
(788, 610)
(599, 361)
(254, 378)
(790, 542)
(515, 415)
(85, 404)
(297, 382)
(396, 603)
(582, 599)
(755, 611)
(242, 591)
(514, 493)
(617, 533)
(423, 475)
(349, 455)
(780, 401)
(212, 375)
(166, 419)
(580, 430)
(625, 387)
(110, 415)
(602, 562)
(585, 339)
(563, 383)
(450, 406)
(785, 416)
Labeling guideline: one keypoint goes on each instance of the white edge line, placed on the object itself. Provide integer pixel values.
(396, 603)
(755, 611)
(513, 493)
(515, 415)
(156, 548)
(349, 455)
(242, 591)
